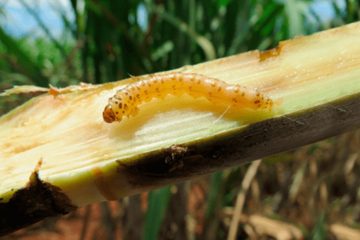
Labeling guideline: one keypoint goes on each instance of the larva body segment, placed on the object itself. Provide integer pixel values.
(126, 100)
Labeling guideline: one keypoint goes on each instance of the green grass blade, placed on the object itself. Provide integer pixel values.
(158, 202)
(22, 62)
(294, 18)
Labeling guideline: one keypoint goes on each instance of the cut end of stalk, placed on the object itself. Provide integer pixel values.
(32, 203)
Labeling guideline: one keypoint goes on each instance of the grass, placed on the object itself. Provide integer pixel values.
(109, 42)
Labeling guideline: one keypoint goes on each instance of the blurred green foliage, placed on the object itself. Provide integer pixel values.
(157, 203)
(108, 40)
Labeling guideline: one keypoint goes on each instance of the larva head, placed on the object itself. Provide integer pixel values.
(119, 106)
(108, 114)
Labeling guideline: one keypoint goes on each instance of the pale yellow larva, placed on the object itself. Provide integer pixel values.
(126, 101)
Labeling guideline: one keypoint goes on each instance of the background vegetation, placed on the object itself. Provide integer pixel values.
(312, 188)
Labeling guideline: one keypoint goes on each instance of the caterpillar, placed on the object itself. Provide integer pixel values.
(126, 101)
